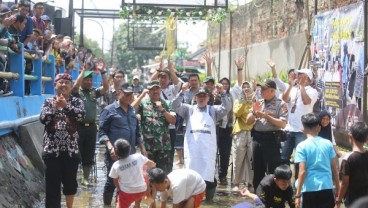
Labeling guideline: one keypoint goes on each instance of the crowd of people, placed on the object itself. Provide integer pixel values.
(255, 124)
(28, 25)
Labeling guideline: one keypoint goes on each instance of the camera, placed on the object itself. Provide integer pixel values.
(63, 54)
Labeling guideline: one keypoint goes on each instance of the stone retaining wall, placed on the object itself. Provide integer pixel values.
(21, 184)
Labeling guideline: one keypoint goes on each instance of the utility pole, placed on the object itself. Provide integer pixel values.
(112, 42)
(230, 45)
(81, 25)
(71, 18)
(365, 71)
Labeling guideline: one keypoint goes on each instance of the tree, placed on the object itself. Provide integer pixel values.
(91, 44)
(126, 58)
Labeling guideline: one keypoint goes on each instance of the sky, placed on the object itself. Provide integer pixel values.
(189, 34)
(192, 34)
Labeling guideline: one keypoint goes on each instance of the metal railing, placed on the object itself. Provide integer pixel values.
(41, 77)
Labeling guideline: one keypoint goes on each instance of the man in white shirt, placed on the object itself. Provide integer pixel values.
(185, 186)
(301, 98)
(169, 90)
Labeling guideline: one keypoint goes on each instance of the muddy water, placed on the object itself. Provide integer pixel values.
(92, 196)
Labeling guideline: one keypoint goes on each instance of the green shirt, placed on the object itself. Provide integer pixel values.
(154, 127)
(89, 97)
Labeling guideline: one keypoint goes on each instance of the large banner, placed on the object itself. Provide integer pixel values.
(338, 45)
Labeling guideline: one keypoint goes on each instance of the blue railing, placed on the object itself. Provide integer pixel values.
(19, 108)
(97, 78)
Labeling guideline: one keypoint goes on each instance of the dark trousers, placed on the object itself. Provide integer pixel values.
(109, 185)
(27, 87)
(161, 158)
(210, 189)
(171, 154)
(266, 156)
(224, 142)
(27, 83)
(62, 169)
(319, 199)
(87, 143)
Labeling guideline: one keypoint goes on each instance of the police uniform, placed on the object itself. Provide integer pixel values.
(266, 146)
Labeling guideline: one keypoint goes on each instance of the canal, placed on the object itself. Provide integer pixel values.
(91, 197)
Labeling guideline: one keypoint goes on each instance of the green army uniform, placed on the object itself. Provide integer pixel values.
(87, 129)
(155, 132)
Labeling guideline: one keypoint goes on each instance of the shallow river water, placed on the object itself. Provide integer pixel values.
(92, 196)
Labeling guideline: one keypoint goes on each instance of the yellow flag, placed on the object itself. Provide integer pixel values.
(170, 35)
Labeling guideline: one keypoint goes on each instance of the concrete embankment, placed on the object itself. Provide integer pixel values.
(21, 167)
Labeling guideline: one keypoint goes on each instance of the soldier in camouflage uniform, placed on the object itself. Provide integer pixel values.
(155, 119)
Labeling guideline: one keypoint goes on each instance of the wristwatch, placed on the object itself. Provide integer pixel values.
(163, 111)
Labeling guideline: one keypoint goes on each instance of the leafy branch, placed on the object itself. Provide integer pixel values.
(155, 14)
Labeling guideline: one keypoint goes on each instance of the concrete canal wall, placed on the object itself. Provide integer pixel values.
(21, 167)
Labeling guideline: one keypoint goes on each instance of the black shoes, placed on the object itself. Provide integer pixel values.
(223, 181)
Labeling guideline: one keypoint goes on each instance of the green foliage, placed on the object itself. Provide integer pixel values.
(267, 75)
(283, 75)
(126, 58)
(157, 14)
(91, 44)
(181, 53)
(233, 83)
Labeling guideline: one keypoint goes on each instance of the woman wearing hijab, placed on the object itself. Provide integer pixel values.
(326, 130)
(242, 140)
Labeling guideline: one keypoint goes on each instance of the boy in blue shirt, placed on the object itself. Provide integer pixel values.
(317, 167)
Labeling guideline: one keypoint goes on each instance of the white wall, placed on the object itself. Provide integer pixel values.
(286, 53)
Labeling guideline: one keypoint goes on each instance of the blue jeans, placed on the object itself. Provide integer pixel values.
(293, 139)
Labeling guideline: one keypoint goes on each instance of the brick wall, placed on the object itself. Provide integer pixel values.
(265, 20)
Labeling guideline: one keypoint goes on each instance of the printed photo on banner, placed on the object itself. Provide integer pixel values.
(338, 63)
